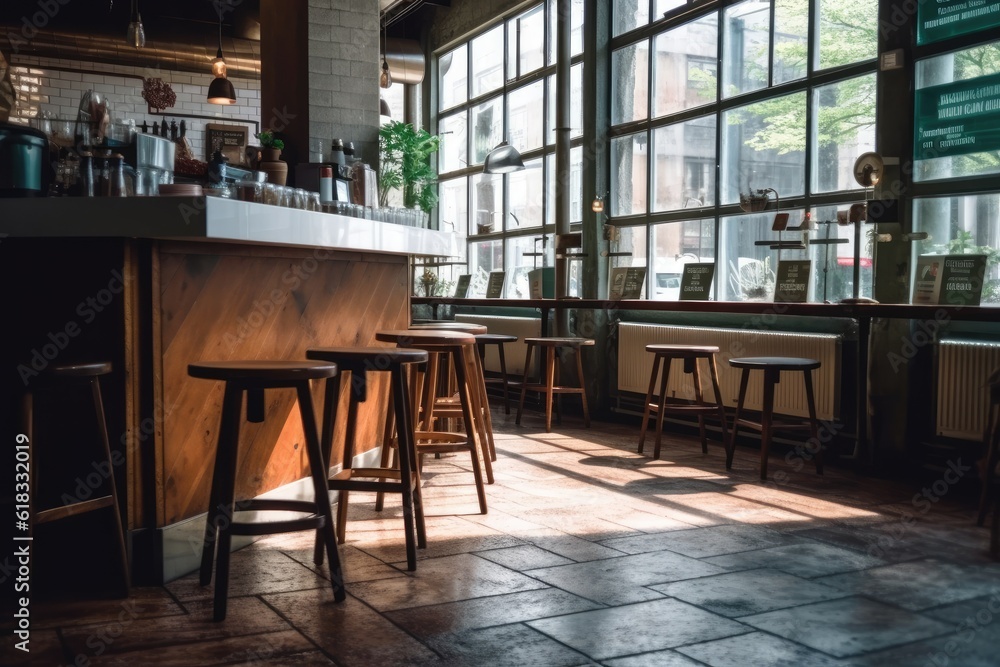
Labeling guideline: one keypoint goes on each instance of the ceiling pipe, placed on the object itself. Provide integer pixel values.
(179, 53)
(405, 59)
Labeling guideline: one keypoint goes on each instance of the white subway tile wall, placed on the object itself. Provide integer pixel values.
(48, 85)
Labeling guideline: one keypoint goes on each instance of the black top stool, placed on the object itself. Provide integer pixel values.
(252, 378)
(773, 367)
(58, 376)
(689, 354)
(405, 480)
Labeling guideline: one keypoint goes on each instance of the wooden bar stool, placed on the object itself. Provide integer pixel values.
(689, 354)
(78, 374)
(252, 378)
(446, 404)
(460, 349)
(404, 480)
(547, 386)
(482, 340)
(773, 367)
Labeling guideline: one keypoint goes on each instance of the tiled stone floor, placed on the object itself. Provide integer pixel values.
(590, 555)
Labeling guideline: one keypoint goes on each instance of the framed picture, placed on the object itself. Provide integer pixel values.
(230, 139)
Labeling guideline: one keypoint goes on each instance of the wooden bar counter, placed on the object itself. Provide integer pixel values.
(153, 284)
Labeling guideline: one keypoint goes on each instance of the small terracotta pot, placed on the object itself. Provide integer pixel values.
(270, 154)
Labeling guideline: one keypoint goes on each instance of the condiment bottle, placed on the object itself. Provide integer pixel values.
(326, 184)
(86, 181)
(337, 153)
(114, 186)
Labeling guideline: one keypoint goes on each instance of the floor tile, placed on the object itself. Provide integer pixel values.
(440, 580)
(269, 648)
(43, 648)
(351, 632)
(527, 557)
(848, 626)
(750, 592)
(489, 611)
(765, 649)
(252, 572)
(668, 658)
(625, 579)
(637, 628)
(919, 584)
(704, 542)
(504, 646)
(807, 559)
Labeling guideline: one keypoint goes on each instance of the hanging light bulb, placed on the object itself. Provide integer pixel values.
(221, 90)
(385, 80)
(136, 35)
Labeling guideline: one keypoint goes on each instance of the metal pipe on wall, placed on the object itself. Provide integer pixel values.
(562, 129)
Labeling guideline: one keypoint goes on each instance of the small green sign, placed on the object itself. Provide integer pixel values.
(955, 280)
(792, 281)
(696, 283)
(462, 286)
(943, 19)
(957, 118)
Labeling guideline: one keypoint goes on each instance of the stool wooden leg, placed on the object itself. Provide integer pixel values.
(813, 422)
(583, 386)
(484, 400)
(647, 412)
(348, 464)
(714, 372)
(991, 438)
(550, 381)
(483, 425)
(390, 428)
(767, 415)
(696, 376)
(465, 396)
(102, 427)
(524, 383)
(321, 496)
(744, 379)
(331, 399)
(227, 498)
(405, 448)
(661, 411)
(231, 406)
(503, 374)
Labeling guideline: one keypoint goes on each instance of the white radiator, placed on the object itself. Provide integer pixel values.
(522, 327)
(963, 398)
(635, 365)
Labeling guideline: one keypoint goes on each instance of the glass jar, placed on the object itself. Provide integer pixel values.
(247, 190)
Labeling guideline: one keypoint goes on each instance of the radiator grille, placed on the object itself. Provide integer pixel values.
(522, 327)
(635, 364)
(962, 394)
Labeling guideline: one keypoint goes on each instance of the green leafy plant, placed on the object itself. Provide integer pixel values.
(405, 164)
(267, 140)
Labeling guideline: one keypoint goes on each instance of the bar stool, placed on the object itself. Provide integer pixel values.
(547, 386)
(459, 348)
(690, 354)
(991, 440)
(359, 362)
(78, 374)
(482, 340)
(773, 367)
(446, 405)
(252, 378)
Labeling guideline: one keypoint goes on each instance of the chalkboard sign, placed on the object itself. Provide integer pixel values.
(462, 286)
(955, 280)
(494, 289)
(230, 139)
(626, 282)
(696, 283)
(792, 281)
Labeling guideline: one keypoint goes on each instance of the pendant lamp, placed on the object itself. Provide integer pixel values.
(221, 90)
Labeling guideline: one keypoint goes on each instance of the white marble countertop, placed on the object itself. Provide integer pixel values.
(216, 219)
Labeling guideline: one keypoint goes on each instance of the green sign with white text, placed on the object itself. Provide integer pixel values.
(943, 19)
(957, 118)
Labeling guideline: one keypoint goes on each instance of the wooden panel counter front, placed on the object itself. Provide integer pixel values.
(224, 285)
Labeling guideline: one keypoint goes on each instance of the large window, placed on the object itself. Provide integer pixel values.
(500, 86)
(743, 97)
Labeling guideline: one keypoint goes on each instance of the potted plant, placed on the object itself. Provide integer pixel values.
(428, 279)
(405, 164)
(756, 200)
(270, 148)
